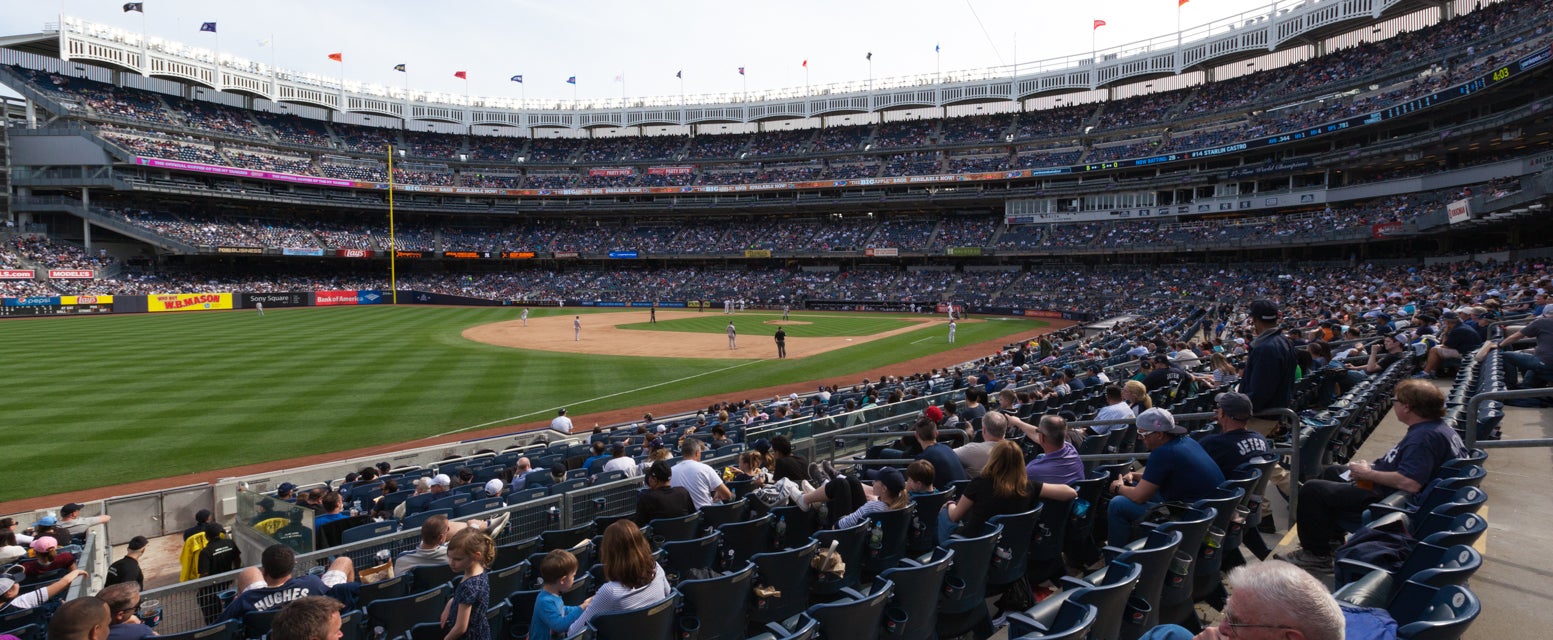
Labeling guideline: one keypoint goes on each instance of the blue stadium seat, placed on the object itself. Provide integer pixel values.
(857, 616)
(918, 587)
(652, 622)
(720, 605)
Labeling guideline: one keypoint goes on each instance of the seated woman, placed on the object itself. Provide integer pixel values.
(1001, 489)
(635, 580)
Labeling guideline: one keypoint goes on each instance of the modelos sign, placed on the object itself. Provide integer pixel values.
(188, 302)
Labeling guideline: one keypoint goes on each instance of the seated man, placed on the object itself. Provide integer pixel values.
(1177, 470)
(124, 604)
(946, 466)
(433, 550)
(661, 500)
(1058, 463)
(310, 618)
(1460, 340)
(271, 584)
(1343, 491)
(1235, 445)
(1271, 600)
(1537, 366)
(84, 618)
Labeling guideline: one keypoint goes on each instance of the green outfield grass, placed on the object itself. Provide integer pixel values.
(821, 325)
(94, 401)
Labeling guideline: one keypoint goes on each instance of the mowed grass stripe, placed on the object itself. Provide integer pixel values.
(755, 324)
(107, 400)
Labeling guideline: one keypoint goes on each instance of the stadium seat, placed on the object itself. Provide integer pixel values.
(256, 624)
(1012, 554)
(887, 538)
(526, 494)
(508, 579)
(718, 514)
(851, 543)
(677, 529)
(963, 607)
(1069, 621)
(1371, 586)
(741, 540)
(1108, 595)
(720, 605)
(652, 622)
(566, 538)
(451, 502)
(514, 552)
(568, 485)
(395, 616)
(700, 553)
(799, 627)
(26, 632)
(788, 572)
(793, 526)
(430, 576)
(1434, 613)
(857, 616)
(416, 520)
(918, 587)
(224, 630)
(924, 527)
(1154, 554)
(368, 531)
(395, 587)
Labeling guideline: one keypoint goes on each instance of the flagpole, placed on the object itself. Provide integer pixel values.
(746, 78)
(393, 248)
(870, 71)
(938, 62)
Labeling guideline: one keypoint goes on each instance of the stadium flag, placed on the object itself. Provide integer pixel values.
(399, 67)
(806, 64)
(571, 80)
(517, 78)
(208, 26)
(461, 75)
(337, 57)
(870, 56)
(1180, 3)
(1099, 23)
(680, 74)
(135, 6)
(936, 49)
(620, 77)
(741, 71)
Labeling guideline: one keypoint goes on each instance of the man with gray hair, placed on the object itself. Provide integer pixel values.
(1270, 600)
(704, 484)
(974, 455)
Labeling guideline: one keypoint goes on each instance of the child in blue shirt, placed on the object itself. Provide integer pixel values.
(551, 616)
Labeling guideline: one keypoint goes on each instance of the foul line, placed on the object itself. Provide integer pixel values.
(924, 339)
(583, 402)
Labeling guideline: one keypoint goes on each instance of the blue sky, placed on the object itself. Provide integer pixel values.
(647, 43)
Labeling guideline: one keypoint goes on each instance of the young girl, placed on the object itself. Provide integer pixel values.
(468, 553)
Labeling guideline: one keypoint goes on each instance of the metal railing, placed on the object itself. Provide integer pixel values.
(1470, 438)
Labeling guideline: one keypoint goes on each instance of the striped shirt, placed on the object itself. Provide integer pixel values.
(614, 597)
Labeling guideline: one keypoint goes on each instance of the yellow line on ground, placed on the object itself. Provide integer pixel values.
(1482, 543)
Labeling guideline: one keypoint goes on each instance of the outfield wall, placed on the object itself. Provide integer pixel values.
(35, 306)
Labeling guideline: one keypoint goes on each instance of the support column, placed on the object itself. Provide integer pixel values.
(86, 224)
(32, 114)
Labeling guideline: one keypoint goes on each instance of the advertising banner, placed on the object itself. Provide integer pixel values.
(466, 255)
(964, 251)
(369, 296)
(294, 251)
(272, 300)
(668, 171)
(241, 250)
(423, 297)
(1459, 211)
(1386, 229)
(32, 301)
(517, 255)
(353, 253)
(71, 274)
(241, 173)
(408, 254)
(565, 255)
(17, 274)
(161, 302)
(882, 252)
(757, 253)
(85, 300)
(334, 298)
(609, 172)
(624, 255)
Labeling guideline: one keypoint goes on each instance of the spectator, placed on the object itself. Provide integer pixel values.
(662, 499)
(1269, 376)
(123, 601)
(1116, 408)
(84, 618)
(1272, 597)
(71, 521)
(271, 584)
(46, 558)
(286, 491)
(1002, 489)
(1137, 397)
(309, 618)
(1059, 462)
(551, 615)
(11, 596)
(334, 509)
(946, 466)
(1537, 366)
(785, 464)
(1235, 444)
(469, 553)
(202, 517)
(127, 568)
(619, 461)
(1177, 470)
(1460, 340)
(1347, 490)
(433, 549)
(704, 484)
(635, 580)
(974, 455)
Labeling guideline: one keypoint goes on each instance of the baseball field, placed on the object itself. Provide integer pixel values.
(99, 401)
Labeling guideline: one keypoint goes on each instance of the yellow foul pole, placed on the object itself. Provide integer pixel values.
(393, 249)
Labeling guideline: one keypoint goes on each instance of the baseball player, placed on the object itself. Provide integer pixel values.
(733, 337)
(525, 316)
(577, 328)
(951, 331)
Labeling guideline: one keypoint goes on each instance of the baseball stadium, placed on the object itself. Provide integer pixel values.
(1232, 331)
